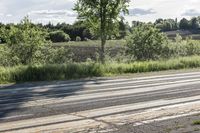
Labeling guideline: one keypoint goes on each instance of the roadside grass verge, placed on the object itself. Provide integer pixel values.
(196, 122)
(86, 70)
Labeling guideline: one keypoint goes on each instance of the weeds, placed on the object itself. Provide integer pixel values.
(196, 122)
(91, 69)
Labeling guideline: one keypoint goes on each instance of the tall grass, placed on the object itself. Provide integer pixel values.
(83, 70)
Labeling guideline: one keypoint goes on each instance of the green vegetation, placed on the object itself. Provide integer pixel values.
(78, 39)
(92, 43)
(196, 122)
(91, 69)
(59, 36)
(146, 43)
(183, 24)
(101, 17)
(28, 55)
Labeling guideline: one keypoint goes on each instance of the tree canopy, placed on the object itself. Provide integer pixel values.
(102, 17)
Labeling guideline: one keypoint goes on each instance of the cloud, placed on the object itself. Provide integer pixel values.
(191, 12)
(9, 15)
(53, 16)
(53, 13)
(140, 11)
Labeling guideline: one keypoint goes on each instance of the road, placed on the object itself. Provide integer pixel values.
(97, 105)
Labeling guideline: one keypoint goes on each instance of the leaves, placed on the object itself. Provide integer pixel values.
(146, 43)
(101, 15)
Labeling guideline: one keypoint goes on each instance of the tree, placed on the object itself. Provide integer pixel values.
(184, 24)
(166, 24)
(59, 36)
(78, 39)
(146, 43)
(24, 41)
(102, 17)
(159, 21)
(194, 23)
(124, 28)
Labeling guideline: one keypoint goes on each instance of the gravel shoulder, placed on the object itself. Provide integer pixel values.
(178, 125)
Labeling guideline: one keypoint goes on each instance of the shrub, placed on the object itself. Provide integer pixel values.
(78, 39)
(59, 36)
(146, 43)
(6, 57)
(24, 41)
(182, 47)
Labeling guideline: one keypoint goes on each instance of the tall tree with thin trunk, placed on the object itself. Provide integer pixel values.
(102, 17)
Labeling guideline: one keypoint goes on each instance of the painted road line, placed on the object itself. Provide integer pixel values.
(101, 95)
(58, 122)
(93, 84)
(97, 90)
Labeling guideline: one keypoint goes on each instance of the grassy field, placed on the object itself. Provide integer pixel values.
(184, 34)
(84, 70)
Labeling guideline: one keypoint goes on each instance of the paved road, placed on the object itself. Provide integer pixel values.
(77, 106)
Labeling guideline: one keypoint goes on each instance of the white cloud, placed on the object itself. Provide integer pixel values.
(191, 12)
(9, 15)
(68, 13)
(140, 12)
(61, 10)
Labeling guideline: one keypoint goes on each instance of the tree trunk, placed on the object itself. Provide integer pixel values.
(103, 30)
(102, 53)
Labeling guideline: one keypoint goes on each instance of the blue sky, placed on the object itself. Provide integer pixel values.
(61, 10)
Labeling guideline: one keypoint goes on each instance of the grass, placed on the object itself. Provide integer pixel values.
(196, 122)
(85, 70)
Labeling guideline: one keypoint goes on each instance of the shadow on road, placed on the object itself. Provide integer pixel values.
(12, 97)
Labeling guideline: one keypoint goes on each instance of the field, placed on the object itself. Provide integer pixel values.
(89, 49)
(184, 33)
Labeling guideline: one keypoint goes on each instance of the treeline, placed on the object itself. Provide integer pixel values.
(173, 24)
(78, 31)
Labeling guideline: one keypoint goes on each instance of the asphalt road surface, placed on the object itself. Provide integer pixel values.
(97, 105)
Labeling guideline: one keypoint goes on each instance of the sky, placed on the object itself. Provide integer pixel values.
(58, 11)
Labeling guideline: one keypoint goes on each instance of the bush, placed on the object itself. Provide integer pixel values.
(59, 36)
(182, 47)
(52, 55)
(27, 45)
(24, 41)
(6, 57)
(146, 43)
(78, 39)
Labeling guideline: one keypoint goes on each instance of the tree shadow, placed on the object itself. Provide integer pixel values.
(13, 97)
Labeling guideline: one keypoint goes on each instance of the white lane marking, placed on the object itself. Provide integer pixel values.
(106, 89)
(58, 120)
(117, 83)
(98, 83)
(17, 116)
(114, 98)
(105, 94)
(37, 121)
(129, 107)
(102, 94)
(165, 118)
(121, 97)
